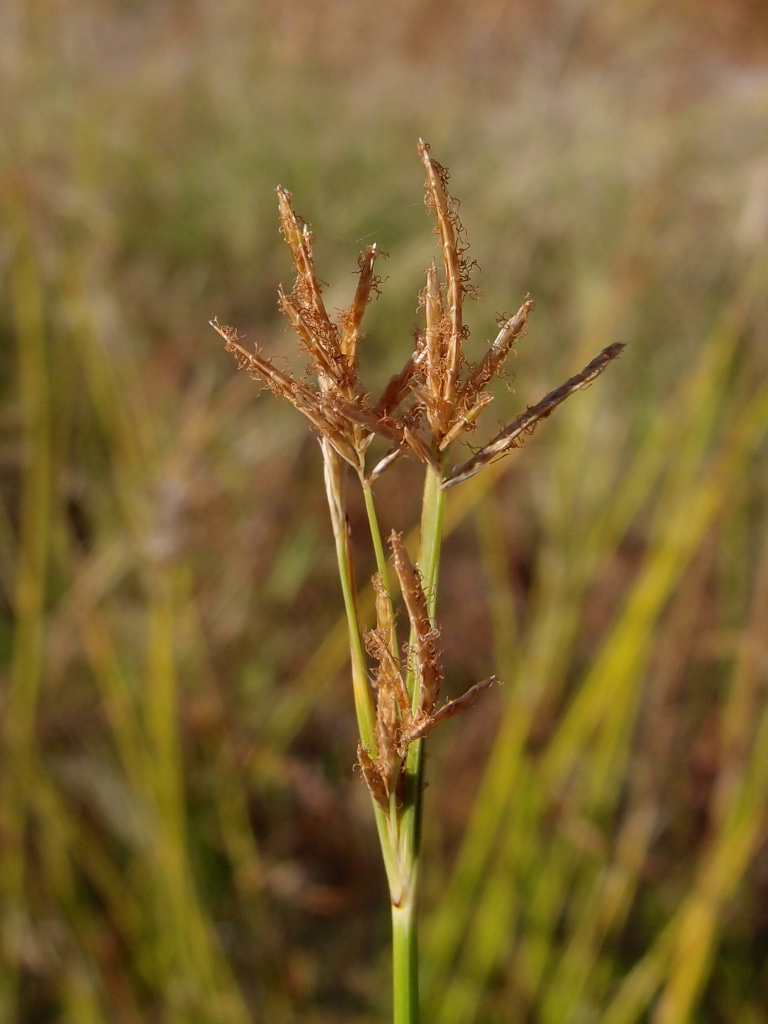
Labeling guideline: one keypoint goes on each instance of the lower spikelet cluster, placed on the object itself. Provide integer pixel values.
(402, 718)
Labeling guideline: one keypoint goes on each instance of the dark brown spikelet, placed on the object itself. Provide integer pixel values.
(399, 385)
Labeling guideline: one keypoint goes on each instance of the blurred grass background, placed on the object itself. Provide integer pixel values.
(182, 837)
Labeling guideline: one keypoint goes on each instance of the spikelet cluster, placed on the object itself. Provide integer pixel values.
(403, 717)
(436, 396)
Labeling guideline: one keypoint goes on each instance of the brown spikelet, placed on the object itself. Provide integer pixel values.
(308, 289)
(465, 420)
(383, 464)
(436, 336)
(360, 412)
(387, 723)
(439, 200)
(323, 363)
(494, 358)
(423, 724)
(399, 385)
(351, 319)
(379, 790)
(424, 633)
(385, 616)
(514, 435)
(318, 410)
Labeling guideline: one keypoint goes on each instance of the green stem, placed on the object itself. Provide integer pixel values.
(405, 962)
(373, 524)
(363, 702)
(334, 488)
(400, 831)
(405, 951)
(433, 506)
(381, 558)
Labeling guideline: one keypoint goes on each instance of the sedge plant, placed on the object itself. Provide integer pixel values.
(424, 409)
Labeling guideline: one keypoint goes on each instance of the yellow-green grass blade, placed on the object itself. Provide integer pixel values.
(29, 600)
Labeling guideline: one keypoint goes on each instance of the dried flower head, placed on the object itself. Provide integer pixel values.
(438, 394)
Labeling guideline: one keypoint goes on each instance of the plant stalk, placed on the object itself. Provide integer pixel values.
(405, 961)
(405, 949)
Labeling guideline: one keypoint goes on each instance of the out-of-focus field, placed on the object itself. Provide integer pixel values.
(182, 837)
